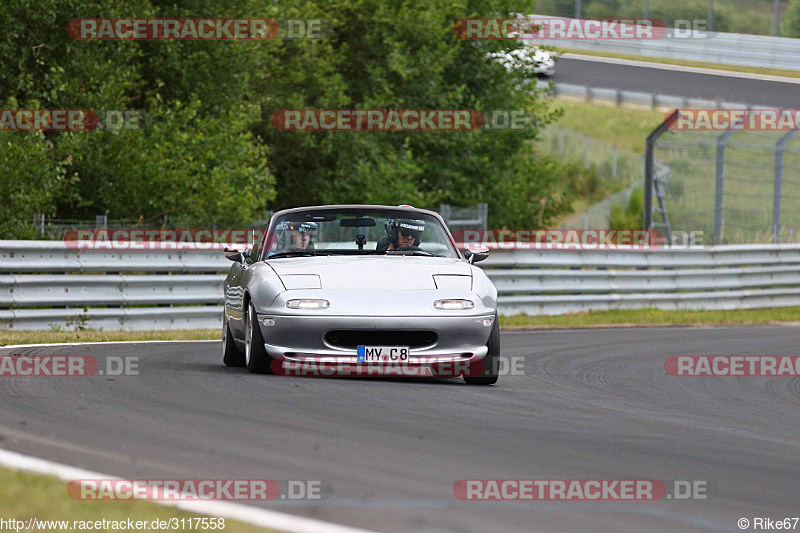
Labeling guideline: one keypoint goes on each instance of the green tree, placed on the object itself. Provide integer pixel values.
(387, 55)
(196, 159)
(210, 153)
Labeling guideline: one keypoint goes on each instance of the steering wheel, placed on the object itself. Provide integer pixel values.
(410, 249)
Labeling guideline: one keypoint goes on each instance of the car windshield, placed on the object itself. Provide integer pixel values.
(349, 231)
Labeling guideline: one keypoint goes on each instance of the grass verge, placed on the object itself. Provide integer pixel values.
(683, 63)
(656, 317)
(625, 127)
(55, 337)
(636, 317)
(24, 495)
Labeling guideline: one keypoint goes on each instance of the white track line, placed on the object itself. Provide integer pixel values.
(234, 511)
(681, 68)
(5, 346)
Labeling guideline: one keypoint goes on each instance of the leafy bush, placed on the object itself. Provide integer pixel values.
(628, 217)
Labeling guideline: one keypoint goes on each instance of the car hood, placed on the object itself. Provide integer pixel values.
(542, 55)
(368, 272)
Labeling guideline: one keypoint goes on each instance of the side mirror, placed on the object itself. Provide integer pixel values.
(234, 255)
(476, 254)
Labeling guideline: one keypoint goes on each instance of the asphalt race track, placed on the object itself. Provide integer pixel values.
(677, 83)
(592, 404)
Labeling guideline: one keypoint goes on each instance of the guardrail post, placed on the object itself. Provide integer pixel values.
(777, 195)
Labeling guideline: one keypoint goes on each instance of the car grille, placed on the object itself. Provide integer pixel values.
(354, 338)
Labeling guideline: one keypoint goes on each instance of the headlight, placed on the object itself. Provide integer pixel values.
(308, 304)
(453, 305)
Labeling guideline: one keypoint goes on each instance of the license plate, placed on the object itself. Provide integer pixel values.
(367, 354)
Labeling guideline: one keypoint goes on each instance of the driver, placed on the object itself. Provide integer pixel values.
(296, 236)
(403, 232)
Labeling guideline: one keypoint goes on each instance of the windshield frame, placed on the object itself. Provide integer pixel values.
(356, 210)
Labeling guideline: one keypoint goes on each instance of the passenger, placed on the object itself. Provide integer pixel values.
(295, 237)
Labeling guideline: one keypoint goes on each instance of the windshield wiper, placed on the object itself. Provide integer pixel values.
(293, 254)
(411, 252)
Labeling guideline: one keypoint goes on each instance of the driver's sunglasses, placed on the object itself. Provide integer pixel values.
(408, 233)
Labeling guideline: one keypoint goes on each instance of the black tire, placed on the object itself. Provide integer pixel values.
(231, 355)
(258, 361)
(490, 363)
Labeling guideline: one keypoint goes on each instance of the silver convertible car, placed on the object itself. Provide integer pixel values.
(361, 290)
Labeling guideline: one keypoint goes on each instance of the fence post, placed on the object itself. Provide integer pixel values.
(646, 9)
(483, 215)
(710, 17)
(444, 210)
(777, 195)
(719, 187)
(649, 163)
(614, 161)
(585, 151)
(577, 9)
(38, 220)
(776, 19)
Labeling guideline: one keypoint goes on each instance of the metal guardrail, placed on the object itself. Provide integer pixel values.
(45, 284)
(652, 100)
(726, 48)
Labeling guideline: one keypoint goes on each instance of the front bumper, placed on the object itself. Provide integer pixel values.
(299, 337)
(545, 69)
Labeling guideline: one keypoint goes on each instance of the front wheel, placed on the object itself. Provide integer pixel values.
(255, 354)
(488, 376)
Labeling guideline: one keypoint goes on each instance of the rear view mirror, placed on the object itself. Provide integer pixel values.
(359, 222)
